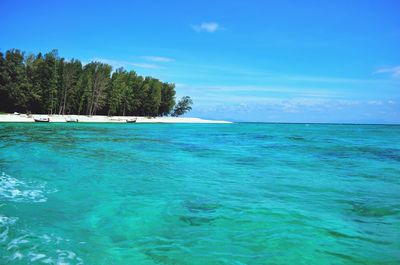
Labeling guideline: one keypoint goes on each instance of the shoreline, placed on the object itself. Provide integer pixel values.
(103, 119)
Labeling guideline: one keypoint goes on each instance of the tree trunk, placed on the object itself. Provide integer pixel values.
(65, 101)
(51, 103)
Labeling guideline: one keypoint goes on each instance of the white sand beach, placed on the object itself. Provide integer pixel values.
(104, 119)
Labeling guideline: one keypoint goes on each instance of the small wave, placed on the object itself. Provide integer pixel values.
(34, 248)
(5, 223)
(12, 189)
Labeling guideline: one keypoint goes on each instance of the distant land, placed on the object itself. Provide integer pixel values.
(49, 84)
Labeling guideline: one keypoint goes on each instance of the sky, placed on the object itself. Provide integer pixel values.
(267, 61)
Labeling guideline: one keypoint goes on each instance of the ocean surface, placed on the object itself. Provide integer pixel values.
(199, 194)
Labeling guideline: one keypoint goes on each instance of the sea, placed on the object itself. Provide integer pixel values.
(241, 193)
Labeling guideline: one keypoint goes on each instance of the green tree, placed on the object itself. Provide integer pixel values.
(49, 84)
(49, 81)
(116, 91)
(139, 94)
(99, 80)
(32, 68)
(3, 82)
(167, 99)
(82, 92)
(14, 90)
(129, 95)
(184, 105)
(70, 75)
(153, 101)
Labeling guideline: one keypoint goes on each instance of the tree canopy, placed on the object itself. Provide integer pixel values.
(184, 105)
(50, 84)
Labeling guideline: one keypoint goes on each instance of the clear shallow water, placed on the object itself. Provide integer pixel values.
(199, 194)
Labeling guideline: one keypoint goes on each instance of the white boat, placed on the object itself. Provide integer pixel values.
(42, 119)
(71, 119)
(131, 120)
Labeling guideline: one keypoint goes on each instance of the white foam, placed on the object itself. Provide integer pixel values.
(4, 235)
(5, 222)
(12, 189)
(17, 255)
(16, 242)
(48, 261)
(31, 247)
(36, 256)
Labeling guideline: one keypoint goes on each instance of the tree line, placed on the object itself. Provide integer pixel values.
(47, 83)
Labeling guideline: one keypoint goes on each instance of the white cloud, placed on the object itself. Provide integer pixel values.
(292, 105)
(157, 59)
(394, 71)
(117, 64)
(207, 27)
(180, 85)
(375, 102)
(257, 91)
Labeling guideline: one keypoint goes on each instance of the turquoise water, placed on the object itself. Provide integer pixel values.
(199, 194)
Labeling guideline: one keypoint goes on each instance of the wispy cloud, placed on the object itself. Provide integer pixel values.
(254, 91)
(394, 71)
(242, 73)
(180, 85)
(210, 27)
(126, 64)
(291, 105)
(298, 110)
(157, 59)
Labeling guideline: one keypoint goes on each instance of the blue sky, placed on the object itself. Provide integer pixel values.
(288, 61)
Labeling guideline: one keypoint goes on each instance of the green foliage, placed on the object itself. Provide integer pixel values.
(152, 100)
(99, 76)
(49, 84)
(167, 99)
(184, 105)
(14, 84)
(49, 78)
(70, 72)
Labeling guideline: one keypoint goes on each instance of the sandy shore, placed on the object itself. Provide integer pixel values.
(98, 118)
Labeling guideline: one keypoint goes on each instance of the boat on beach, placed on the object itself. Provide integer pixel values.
(42, 119)
(70, 119)
(131, 120)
